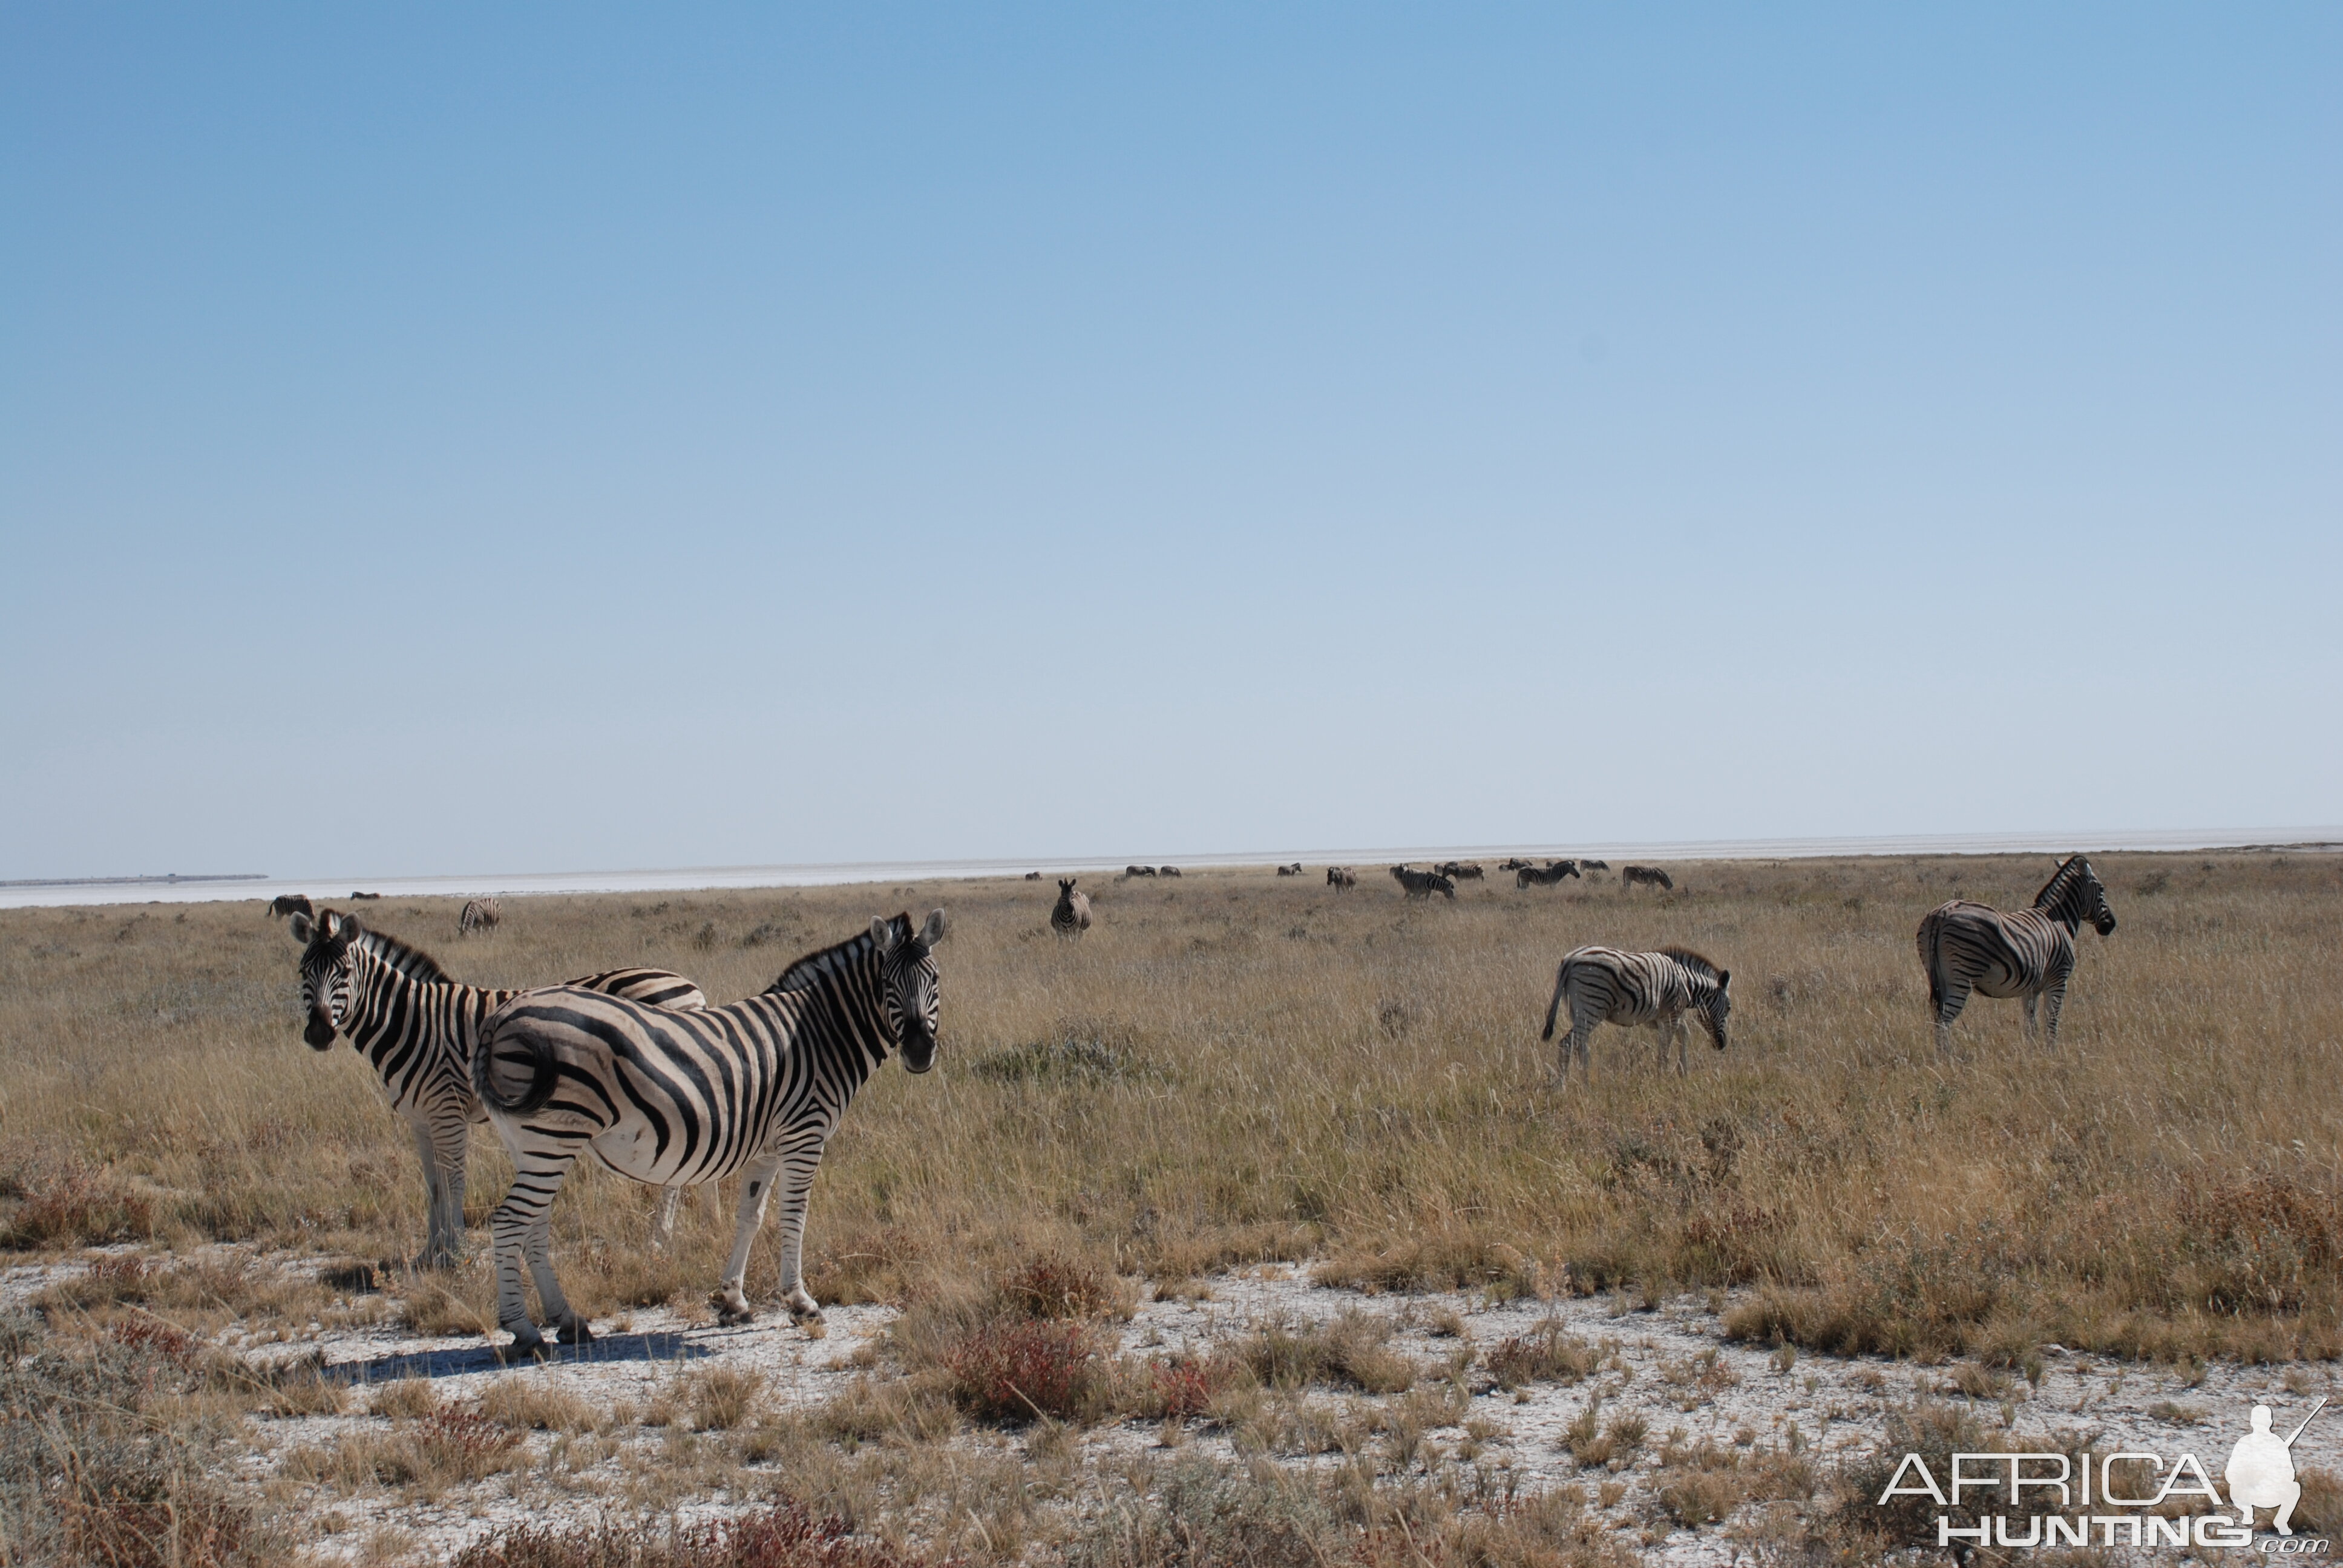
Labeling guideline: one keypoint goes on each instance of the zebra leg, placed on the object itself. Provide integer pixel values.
(731, 1302)
(442, 1153)
(663, 1218)
(799, 1161)
(520, 1225)
(2054, 998)
(2026, 1004)
(1580, 1028)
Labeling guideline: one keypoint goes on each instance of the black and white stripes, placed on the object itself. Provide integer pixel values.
(679, 1098)
(2029, 953)
(417, 1028)
(1604, 985)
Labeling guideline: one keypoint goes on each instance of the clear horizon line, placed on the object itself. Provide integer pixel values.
(683, 878)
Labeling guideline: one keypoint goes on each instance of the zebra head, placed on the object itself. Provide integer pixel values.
(1711, 990)
(908, 993)
(326, 974)
(2075, 894)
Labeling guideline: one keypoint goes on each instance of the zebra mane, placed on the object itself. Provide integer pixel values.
(1693, 961)
(411, 961)
(2072, 869)
(831, 959)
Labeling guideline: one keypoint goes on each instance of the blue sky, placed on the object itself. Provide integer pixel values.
(579, 437)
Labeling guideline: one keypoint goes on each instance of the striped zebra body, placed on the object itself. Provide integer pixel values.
(479, 915)
(2027, 953)
(1630, 875)
(1423, 884)
(416, 1027)
(679, 1098)
(1342, 879)
(1655, 991)
(1555, 871)
(1071, 916)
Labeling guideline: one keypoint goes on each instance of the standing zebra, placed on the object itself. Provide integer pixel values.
(1630, 875)
(1072, 917)
(1656, 989)
(1423, 884)
(416, 1027)
(2028, 954)
(479, 915)
(1342, 879)
(1293, 870)
(1555, 871)
(285, 904)
(686, 1097)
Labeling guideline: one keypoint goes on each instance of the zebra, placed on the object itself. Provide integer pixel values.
(686, 1097)
(1594, 865)
(1607, 986)
(1423, 884)
(358, 895)
(1462, 871)
(416, 1027)
(479, 915)
(1072, 917)
(1167, 871)
(1630, 875)
(1032, 876)
(2028, 954)
(1555, 871)
(285, 904)
(1138, 870)
(1293, 870)
(1342, 879)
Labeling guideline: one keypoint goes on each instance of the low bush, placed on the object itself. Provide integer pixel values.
(785, 1536)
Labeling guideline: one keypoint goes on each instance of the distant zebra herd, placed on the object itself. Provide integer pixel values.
(632, 1068)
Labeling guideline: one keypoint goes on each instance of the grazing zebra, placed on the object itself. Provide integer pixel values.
(2028, 954)
(1555, 871)
(1423, 884)
(1138, 870)
(1342, 879)
(1595, 865)
(1293, 870)
(1463, 872)
(365, 895)
(1513, 863)
(479, 915)
(1167, 871)
(1032, 876)
(416, 1027)
(686, 1097)
(1630, 875)
(1656, 989)
(285, 904)
(1072, 916)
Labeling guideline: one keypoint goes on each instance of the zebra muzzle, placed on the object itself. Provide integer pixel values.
(319, 1033)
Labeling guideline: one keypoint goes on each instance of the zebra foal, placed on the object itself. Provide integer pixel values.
(1071, 916)
(2027, 953)
(1604, 985)
(679, 1098)
(416, 1027)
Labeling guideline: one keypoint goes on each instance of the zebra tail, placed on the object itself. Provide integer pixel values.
(543, 1075)
(1561, 976)
(1929, 927)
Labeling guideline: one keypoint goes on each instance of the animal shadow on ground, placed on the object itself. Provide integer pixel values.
(455, 1363)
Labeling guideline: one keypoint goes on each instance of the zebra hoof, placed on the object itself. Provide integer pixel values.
(732, 1313)
(574, 1331)
(527, 1344)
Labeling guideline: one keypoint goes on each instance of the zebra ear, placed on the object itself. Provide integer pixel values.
(882, 931)
(933, 931)
(1724, 979)
(301, 927)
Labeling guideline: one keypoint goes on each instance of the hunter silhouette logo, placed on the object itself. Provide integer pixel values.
(2261, 1471)
(2127, 1497)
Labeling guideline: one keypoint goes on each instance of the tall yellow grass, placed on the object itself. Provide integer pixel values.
(1233, 1066)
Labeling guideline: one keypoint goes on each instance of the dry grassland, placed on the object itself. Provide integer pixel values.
(1232, 1068)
